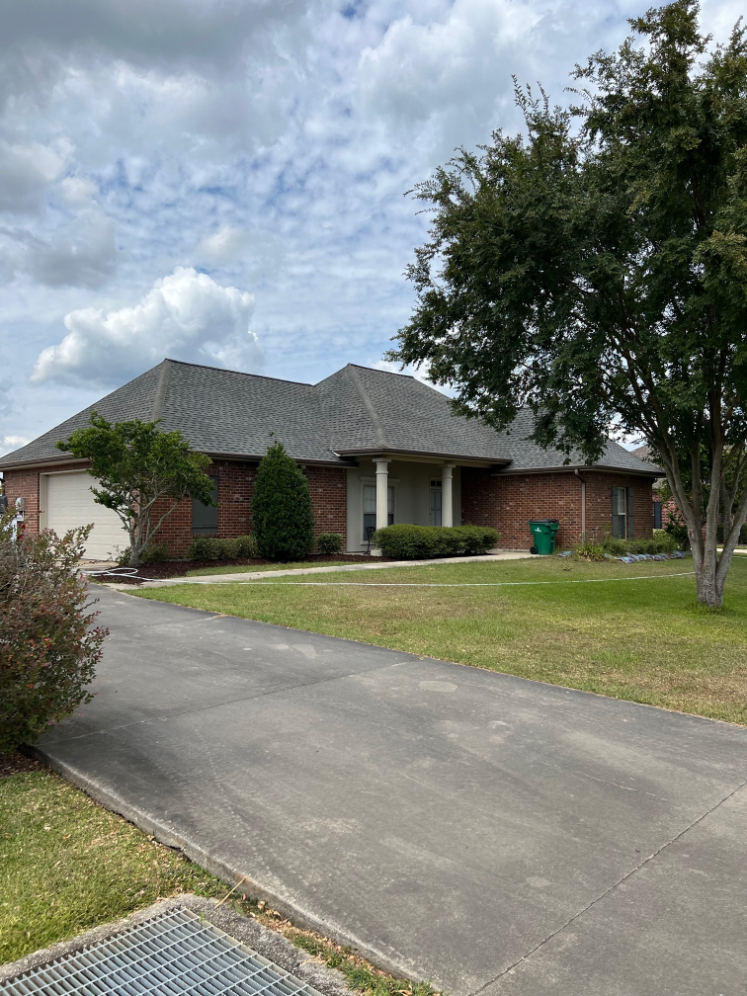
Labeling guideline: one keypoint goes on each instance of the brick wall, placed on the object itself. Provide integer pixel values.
(329, 500)
(25, 484)
(327, 485)
(507, 502)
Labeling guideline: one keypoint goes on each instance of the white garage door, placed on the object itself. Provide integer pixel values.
(70, 503)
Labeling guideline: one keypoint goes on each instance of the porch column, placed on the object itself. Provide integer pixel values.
(447, 503)
(382, 493)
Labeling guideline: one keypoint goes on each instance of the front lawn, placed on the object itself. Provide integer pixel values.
(645, 640)
(67, 865)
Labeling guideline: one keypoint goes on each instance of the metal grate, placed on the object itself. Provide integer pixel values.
(170, 955)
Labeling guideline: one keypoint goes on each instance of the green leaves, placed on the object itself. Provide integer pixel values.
(281, 508)
(137, 466)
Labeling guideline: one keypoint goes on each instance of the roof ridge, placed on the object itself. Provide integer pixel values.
(378, 429)
(391, 373)
(239, 373)
(161, 390)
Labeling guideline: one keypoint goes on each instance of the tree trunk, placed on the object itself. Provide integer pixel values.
(709, 586)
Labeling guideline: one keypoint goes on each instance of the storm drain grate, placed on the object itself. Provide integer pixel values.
(170, 955)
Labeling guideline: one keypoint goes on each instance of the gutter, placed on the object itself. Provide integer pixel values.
(583, 502)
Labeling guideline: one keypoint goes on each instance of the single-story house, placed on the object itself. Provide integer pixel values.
(377, 448)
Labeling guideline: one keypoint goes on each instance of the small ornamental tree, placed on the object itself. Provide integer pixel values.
(49, 647)
(281, 508)
(137, 465)
(595, 270)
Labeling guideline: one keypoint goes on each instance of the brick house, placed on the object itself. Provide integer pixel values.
(376, 447)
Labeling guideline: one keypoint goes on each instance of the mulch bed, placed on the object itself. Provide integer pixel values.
(179, 568)
(12, 764)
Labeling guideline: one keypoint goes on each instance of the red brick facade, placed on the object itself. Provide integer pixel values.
(505, 501)
(508, 501)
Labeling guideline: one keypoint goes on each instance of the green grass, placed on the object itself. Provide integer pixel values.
(644, 640)
(245, 568)
(67, 865)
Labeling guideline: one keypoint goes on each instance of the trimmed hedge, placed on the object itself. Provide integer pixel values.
(410, 542)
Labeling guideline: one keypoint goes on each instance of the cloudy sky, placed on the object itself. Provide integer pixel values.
(222, 181)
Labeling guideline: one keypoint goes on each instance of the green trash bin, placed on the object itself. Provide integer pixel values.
(544, 532)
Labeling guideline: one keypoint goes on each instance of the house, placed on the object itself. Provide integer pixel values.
(377, 448)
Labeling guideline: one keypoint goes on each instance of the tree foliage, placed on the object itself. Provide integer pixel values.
(49, 646)
(595, 270)
(281, 508)
(137, 465)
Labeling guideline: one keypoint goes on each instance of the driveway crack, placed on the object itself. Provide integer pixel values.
(603, 895)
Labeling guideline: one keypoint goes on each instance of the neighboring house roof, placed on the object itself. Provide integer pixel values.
(357, 411)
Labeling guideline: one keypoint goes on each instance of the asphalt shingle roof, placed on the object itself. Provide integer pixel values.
(357, 410)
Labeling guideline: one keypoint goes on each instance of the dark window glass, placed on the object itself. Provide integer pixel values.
(657, 515)
(205, 517)
(618, 513)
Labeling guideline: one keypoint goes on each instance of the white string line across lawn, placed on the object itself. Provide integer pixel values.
(460, 584)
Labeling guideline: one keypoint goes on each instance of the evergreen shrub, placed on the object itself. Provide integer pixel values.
(246, 547)
(329, 543)
(405, 541)
(281, 508)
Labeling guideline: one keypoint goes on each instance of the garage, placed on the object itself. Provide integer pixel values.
(68, 503)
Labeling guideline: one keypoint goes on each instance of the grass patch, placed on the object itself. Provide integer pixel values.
(246, 568)
(646, 640)
(67, 864)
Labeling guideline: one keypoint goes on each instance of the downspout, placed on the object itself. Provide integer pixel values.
(583, 502)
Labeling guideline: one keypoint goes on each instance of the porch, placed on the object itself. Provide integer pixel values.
(383, 491)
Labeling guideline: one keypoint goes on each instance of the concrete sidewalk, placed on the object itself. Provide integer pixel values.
(256, 575)
(493, 834)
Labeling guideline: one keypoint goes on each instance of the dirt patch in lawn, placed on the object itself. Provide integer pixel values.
(13, 764)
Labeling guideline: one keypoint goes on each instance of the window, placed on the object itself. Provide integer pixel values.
(657, 515)
(369, 508)
(623, 504)
(437, 495)
(205, 517)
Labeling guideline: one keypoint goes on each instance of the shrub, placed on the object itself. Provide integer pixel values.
(204, 548)
(49, 648)
(227, 549)
(329, 543)
(281, 508)
(156, 553)
(662, 542)
(742, 534)
(590, 549)
(246, 547)
(409, 542)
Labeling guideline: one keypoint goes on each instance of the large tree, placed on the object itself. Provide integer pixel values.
(595, 269)
(142, 474)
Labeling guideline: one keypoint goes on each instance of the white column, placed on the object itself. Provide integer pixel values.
(447, 502)
(382, 493)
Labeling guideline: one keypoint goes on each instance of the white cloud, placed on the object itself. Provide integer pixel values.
(26, 172)
(82, 253)
(10, 443)
(185, 316)
(77, 190)
(225, 245)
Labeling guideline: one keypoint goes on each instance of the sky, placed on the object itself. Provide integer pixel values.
(225, 181)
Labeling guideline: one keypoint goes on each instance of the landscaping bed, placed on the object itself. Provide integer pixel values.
(645, 640)
(186, 568)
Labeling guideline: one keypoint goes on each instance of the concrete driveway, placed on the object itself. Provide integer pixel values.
(493, 834)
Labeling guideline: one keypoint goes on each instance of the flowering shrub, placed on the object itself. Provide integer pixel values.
(49, 647)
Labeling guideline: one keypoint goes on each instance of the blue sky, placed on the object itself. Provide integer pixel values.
(222, 181)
